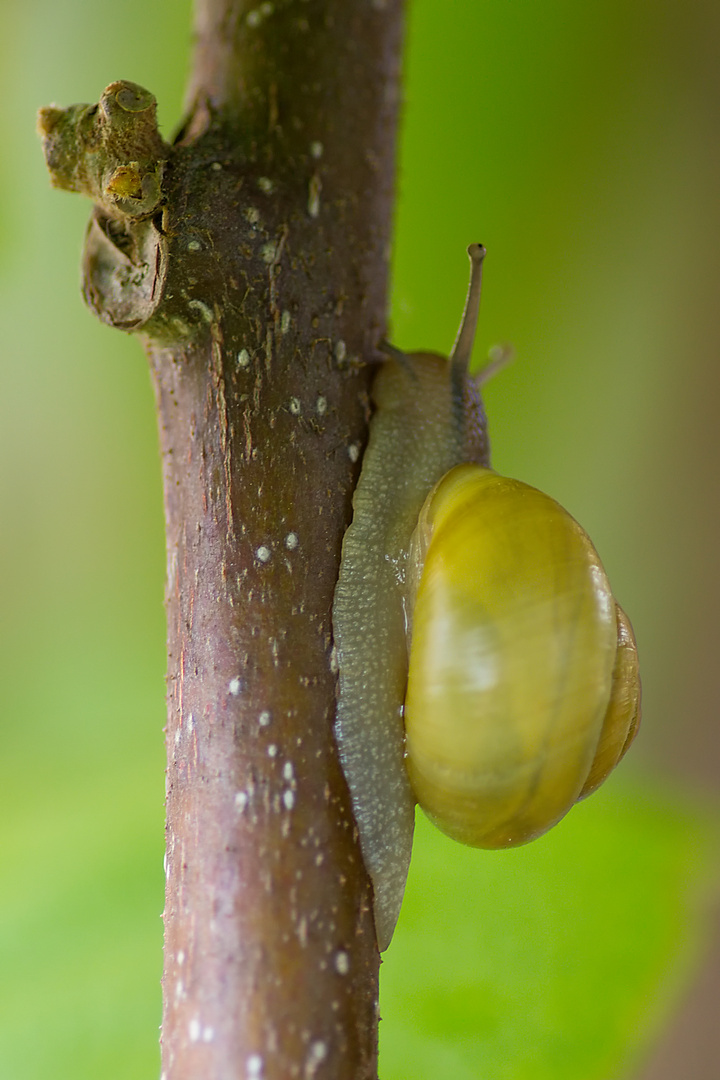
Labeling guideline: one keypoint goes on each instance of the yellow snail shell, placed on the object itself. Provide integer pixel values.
(514, 643)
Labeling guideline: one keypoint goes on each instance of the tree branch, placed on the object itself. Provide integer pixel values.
(258, 283)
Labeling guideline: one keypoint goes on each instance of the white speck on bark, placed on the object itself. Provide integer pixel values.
(314, 189)
(254, 1067)
(316, 1055)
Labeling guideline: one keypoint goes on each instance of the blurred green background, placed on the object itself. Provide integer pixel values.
(579, 142)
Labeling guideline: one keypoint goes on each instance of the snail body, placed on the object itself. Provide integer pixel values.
(484, 667)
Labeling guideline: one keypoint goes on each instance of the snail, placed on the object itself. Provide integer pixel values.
(485, 670)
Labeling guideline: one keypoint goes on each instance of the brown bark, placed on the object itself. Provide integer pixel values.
(271, 962)
(259, 286)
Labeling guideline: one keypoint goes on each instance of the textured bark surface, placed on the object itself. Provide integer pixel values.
(258, 281)
(284, 180)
